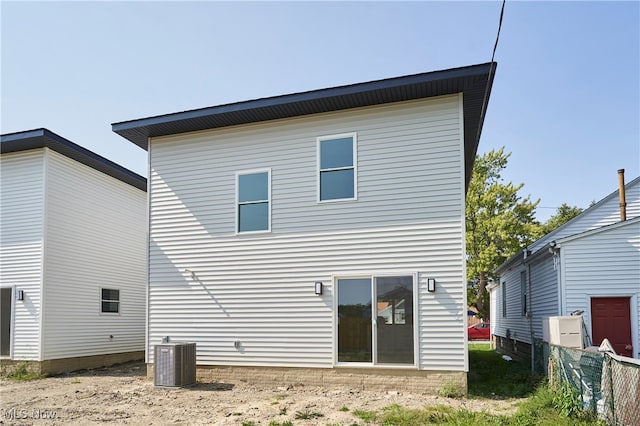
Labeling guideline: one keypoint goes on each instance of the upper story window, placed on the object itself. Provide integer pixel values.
(253, 189)
(337, 170)
(110, 301)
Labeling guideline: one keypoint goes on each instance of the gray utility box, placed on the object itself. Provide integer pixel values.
(563, 331)
(174, 364)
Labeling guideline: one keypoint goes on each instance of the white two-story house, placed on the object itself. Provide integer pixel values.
(317, 237)
(72, 256)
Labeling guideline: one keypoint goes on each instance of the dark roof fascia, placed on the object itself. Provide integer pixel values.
(44, 138)
(474, 81)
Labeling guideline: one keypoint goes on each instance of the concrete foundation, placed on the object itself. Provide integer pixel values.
(65, 365)
(379, 379)
(519, 351)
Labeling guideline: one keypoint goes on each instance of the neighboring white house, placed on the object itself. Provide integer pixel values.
(354, 192)
(590, 264)
(72, 255)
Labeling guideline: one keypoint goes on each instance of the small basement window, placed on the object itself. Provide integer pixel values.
(337, 177)
(110, 301)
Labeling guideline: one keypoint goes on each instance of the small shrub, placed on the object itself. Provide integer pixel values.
(75, 381)
(248, 423)
(451, 390)
(306, 415)
(344, 408)
(567, 400)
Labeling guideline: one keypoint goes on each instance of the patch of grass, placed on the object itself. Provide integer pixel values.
(490, 376)
(275, 423)
(343, 408)
(281, 396)
(75, 381)
(365, 416)
(248, 423)
(396, 415)
(550, 406)
(22, 374)
(307, 415)
(547, 406)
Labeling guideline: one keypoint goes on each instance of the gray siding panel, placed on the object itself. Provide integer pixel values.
(515, 323)
(259, 289)
(544, 276)
(21, 239)
(604, 264)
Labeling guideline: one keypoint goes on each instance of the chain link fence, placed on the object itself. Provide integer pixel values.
(608, 385)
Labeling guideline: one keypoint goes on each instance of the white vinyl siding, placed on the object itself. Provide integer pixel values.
(603, 264)
(95, 238)
(21, 234)
(209, 286)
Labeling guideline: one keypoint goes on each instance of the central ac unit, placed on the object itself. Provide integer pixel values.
(175, 364)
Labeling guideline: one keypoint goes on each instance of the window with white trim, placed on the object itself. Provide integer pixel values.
(253, 200)
(110, 301)
(337, 170)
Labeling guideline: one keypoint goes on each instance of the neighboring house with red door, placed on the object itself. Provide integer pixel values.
(589, 265)
(317, 237)
(72, 256)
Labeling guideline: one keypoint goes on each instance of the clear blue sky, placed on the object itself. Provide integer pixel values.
(565, 102)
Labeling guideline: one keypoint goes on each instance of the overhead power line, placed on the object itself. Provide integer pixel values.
(491, 68)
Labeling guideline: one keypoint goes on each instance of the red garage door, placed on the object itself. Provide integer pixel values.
(611, 319)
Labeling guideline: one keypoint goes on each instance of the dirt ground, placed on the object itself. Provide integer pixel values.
(124, 395)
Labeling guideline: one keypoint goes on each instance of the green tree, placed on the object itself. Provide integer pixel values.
(499, 223)
(563, 214)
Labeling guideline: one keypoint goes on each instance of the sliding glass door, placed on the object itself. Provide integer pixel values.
(394, 321)
(354, 320)
(376, 333)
